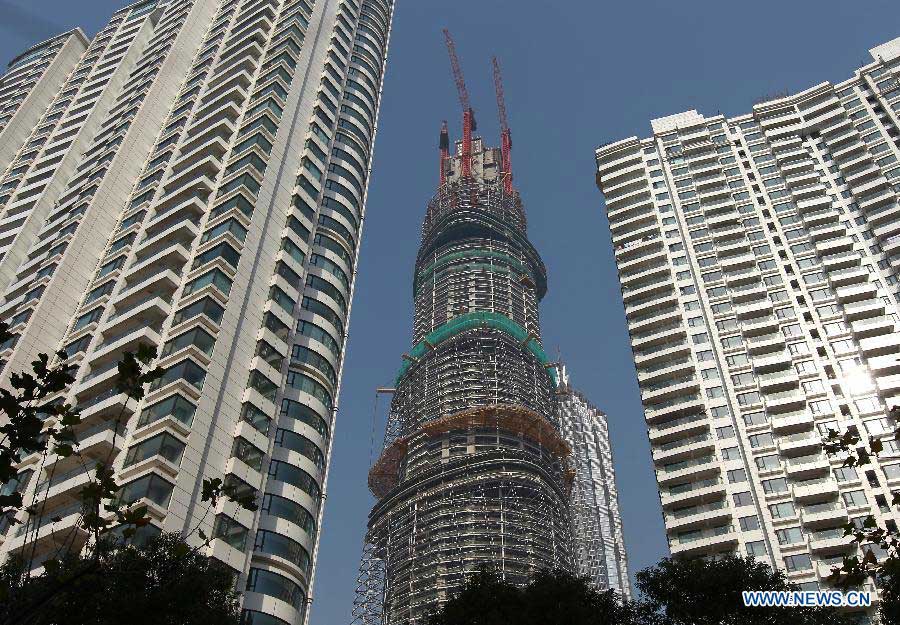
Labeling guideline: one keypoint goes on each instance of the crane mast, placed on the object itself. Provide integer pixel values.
(505, 135)
(468, 113)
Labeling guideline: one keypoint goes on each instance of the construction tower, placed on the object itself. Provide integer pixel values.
(473, 471)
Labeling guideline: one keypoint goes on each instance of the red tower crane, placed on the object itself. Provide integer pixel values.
(505, 136)
(468, 113)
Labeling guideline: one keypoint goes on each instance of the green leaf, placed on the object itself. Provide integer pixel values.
(211, 490)
(52, 567)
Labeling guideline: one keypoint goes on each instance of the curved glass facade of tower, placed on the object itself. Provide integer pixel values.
(474, 469)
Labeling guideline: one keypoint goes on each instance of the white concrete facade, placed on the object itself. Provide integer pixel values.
(758, 258)
(29, 85)
(216, 214)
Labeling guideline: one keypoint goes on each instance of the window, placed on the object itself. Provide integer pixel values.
(782, 510)
(306, 384)
(715, 392)
(215, 278)
(278, 586)
(196, 337)
(256, 418)
(731, 453)
(761, 440)
(742, 499)
(867, 404)
(727, 325)
(756, 548)
(845, 474)
(288, 473)
(768, 463)
(737, 360)
(749, 523)
(725, 432)
(248, 453)
(774, 486)
(789, 535)
(205, 306)
(747, 399)
(799, 562)
(737, 475)
(813, 386)
(288, 439)
(755, 418)
(289, 510)
(151, 487)
(174, 406)
(230, 531)
(854, 498)
(732, 341)
(186, 370)
(165, 445)
(710, 374)
(822, 406)
(804, 367)
(281, 546)
(742, 379)
(302, 412)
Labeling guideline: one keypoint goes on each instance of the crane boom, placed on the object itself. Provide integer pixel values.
(505, 135)
(457, 72)
(468, 113)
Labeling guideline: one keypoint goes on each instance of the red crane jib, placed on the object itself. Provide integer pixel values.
(468, 113)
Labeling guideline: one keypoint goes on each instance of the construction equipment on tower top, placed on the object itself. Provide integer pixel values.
(469, 125)
(505, 135)
(444, 147)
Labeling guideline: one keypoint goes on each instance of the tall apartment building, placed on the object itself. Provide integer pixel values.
(31, 81)
(599, 545)
(473, 467)
(758, 257)
(213, 209)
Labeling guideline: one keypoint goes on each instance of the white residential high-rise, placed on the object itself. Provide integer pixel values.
(31, 81)
(594, 501)
(759, 257)
(202, 189)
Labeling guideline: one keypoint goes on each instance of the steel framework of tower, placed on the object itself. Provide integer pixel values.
(473, 471)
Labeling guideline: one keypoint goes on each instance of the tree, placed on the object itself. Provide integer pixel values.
(867, 534)
(708, 592)
(552, 597)
(35, 421)
(162, 582)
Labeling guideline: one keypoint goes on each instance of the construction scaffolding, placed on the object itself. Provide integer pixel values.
(497, 507)
(473, 471)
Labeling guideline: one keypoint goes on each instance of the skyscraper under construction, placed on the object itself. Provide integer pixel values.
(473, 470)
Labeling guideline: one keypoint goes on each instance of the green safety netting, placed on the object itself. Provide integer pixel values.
(471, 321)
(479, 253)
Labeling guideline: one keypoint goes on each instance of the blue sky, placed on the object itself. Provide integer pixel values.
(576, 74)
